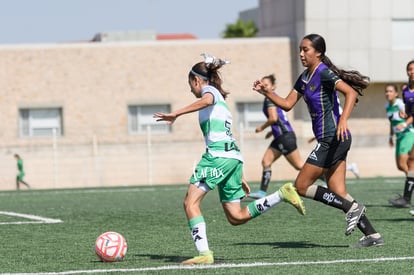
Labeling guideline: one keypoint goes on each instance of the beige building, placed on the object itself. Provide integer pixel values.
(80, 115)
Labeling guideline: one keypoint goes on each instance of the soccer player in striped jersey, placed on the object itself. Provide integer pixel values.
(284, 139)
(319, 85)
(221, 165)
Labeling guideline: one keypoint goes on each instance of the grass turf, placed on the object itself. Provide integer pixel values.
(154, 225)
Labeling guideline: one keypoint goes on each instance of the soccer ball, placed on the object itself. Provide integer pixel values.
(111, 247)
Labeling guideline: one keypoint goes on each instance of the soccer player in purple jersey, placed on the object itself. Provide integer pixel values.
(284, 139)
(408, 97)
(319, 85)
(404, 132)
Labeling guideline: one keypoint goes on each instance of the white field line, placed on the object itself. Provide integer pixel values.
(32, 218)
(216, 266)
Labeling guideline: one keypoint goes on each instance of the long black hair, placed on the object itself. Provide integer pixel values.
(353, 78)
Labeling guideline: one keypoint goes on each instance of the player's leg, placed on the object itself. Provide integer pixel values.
(237, 215)
(353, 167)
(401, 162)
(270, 156)
(371, 236)
(295, 159)
(21, 176)
(405, 159)
(328, 157)
(192, 201)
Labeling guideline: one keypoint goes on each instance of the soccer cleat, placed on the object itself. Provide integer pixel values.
(411, 212)
(368, 241)
(354, 169)
(204, 258)
(257, 194)
(289, 195)
(400, 202)
(352, 217)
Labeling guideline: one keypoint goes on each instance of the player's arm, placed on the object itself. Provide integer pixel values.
(272, 119)
(206, 100)
(286, 103)
(350, 100)
(390, 138)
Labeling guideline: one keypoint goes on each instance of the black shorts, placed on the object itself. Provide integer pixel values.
(329, 151)
(285, 143)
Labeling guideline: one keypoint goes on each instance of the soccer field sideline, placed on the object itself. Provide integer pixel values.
(216, 266)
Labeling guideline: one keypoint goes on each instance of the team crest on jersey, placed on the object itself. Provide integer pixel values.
(312, 87)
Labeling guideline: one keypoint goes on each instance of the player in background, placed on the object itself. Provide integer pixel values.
(21, 174)
(284, 139)
(319, 85)
(408, 98)
(404, 132)
(221, 165)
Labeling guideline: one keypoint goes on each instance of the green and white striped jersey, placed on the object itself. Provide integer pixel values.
(393, 114)
(215, 123)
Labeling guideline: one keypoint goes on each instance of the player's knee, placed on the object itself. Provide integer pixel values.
(301, 189)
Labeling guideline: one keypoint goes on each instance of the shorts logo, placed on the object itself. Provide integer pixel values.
(313, 156)
(208, 172)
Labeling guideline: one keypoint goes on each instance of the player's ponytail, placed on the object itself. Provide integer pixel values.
(353, 78)
(208, 71)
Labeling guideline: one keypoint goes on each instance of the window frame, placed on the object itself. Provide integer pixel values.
(137, 126)
(31, 125)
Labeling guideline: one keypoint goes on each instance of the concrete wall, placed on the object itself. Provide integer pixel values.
(359, 34)
(94, 83)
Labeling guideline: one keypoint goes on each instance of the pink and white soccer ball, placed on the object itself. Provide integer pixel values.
(111, 247)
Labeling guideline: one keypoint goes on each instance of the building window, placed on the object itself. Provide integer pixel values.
(250, 114)
(40, 122)
(402, 33)
(140, 118)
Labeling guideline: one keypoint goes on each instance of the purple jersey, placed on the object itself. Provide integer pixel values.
(408, 97)
(318, 91)
(282, 125)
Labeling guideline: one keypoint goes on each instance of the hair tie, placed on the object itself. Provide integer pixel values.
(209, 59)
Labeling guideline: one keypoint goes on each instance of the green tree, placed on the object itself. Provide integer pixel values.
(240, 29)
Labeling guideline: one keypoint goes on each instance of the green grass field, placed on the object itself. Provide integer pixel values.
(153, 222)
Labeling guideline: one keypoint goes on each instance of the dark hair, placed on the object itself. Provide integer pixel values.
(353, 78)
(271, 78)
(409, 63)
(391, 85)
(210, 73)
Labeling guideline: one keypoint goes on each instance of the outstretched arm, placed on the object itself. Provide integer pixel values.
(206, 100)
(286, 103)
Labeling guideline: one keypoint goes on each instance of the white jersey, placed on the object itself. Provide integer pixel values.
(215, 123)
